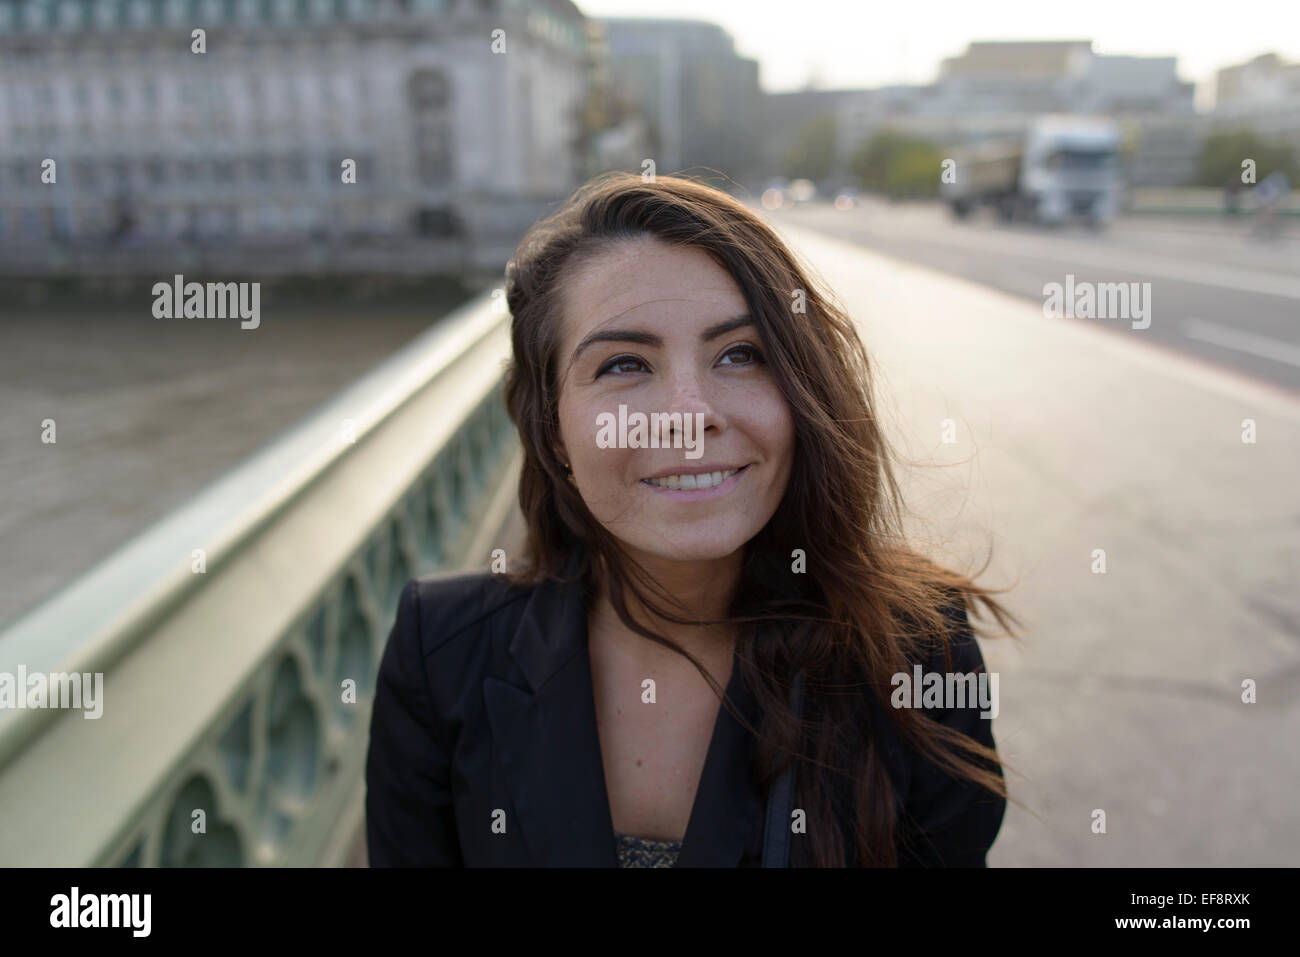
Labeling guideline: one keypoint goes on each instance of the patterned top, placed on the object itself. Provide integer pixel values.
(644, 852)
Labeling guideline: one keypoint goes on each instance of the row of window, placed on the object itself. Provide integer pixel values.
(38, 15)
(293, 125)
(33, 16)
(121, 173)
(201, 221)
(193, 92)
(333, 55)
(109, 135)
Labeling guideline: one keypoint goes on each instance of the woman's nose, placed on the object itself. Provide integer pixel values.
(688, 395)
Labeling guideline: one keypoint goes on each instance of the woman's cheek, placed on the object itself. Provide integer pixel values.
(598, 470)
(769, 418)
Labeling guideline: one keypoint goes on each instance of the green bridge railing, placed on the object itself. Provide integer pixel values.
(239, 639)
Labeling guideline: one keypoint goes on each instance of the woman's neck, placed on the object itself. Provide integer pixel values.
(702, 591)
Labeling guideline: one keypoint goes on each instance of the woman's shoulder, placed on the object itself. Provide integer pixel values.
(965, 650)
(946, 819)
(450, 628)
(438, 607)
(957, 650)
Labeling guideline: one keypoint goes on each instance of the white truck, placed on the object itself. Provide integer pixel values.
(1060, 167)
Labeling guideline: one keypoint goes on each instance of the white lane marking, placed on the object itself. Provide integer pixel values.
(1247, 342)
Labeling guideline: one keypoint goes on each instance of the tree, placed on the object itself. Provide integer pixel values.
(813, 154)
(898, 165)
(1222, 155)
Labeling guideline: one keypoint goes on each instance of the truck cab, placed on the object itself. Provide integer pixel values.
(1071, 168)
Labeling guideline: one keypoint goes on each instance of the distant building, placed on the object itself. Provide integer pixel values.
(1015, 77)
(620, 130)
(1262, 95)
(701, 100)
(1157, 111)
(993, 89)
(784, 117)
(156, 145)
(1265, 79)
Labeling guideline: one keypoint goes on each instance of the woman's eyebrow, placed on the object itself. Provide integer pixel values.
(650, 339)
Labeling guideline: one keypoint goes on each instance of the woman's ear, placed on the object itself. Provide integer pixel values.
(562, 454)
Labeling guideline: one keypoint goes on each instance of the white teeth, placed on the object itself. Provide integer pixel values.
(703, 480)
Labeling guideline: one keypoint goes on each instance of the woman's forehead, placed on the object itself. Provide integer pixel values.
(666, 286)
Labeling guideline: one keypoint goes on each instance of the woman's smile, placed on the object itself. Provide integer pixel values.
(696, 485)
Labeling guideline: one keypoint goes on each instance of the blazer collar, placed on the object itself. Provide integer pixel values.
(549, 745)
(553, 627)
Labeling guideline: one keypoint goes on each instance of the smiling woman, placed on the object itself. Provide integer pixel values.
(685, 639)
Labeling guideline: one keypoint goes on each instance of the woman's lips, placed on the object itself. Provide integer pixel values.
(700, 494)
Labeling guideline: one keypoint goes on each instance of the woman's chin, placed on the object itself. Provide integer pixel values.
(706, 548)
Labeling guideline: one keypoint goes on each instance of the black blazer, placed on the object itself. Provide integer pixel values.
(484, 703)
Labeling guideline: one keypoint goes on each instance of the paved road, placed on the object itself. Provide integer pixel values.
(1124, 694)
(1216, 293)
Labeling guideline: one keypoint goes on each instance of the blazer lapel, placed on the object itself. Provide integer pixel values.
(548, 744)
(546, 735)
(725, 818)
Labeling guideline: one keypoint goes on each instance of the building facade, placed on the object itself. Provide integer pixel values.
(461, 119)
(700, 100)
(1261, 95)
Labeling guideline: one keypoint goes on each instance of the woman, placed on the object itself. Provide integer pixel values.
(694, 663)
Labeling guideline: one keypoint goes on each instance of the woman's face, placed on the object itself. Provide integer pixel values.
(658, 329)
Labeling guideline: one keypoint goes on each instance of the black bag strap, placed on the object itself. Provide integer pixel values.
(780, 799)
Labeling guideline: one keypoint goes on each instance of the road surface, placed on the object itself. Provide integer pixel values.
(1216, 293)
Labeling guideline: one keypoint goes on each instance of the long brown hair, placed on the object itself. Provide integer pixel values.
(867, 600)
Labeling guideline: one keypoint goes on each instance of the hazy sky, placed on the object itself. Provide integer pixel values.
(854, 43)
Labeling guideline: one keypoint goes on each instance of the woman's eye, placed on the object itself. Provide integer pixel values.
(754, 354)
(617, 363)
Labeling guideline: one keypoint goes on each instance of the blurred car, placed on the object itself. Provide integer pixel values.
(776, 194)
(847, 198)
(803, 191)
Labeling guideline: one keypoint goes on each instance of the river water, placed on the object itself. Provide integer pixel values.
(148, 411)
